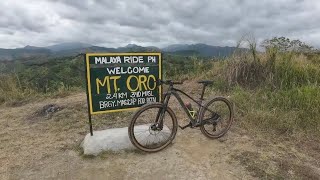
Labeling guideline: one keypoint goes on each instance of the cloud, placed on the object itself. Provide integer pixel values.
(157, 23)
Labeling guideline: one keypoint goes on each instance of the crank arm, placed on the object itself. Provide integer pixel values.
(183, 127)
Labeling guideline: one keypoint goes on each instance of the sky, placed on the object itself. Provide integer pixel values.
(114, 23)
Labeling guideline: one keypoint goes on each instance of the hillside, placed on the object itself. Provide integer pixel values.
(276, 98)
(72, 49)
(23, 53)
(201, 49)
(67, 46)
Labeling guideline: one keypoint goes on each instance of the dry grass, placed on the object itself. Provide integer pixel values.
(280, 158)
(48, 147)
(277, 92)
(277, 100)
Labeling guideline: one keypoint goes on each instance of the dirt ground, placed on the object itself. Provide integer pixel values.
(38, 146)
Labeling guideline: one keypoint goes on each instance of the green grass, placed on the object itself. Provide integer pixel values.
(274, 91)
(278, 111)
(279, 94)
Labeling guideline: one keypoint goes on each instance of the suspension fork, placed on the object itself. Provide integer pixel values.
(162, 111)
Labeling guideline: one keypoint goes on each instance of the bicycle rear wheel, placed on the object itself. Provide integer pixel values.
(217, 117)
(147, 133)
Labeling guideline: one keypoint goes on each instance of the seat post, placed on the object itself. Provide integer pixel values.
(203, 89)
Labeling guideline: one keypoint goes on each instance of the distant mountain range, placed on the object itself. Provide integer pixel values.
(74, 48)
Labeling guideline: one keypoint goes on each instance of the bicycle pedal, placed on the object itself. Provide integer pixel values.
(183, 127)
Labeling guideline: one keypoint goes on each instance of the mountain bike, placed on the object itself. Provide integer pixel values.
(154, 126)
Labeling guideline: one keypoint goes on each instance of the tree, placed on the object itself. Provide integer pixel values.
(285, 44)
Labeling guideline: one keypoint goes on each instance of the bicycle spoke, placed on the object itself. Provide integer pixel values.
(149, 133)
(139, 132)
(219, 121)
(147, 140)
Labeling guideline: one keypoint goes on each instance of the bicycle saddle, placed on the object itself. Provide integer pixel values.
(205, 82)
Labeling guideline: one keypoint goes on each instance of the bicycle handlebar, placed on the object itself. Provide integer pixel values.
(169, 82)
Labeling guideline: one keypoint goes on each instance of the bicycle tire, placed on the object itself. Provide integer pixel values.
(131, 127)
(229, 121)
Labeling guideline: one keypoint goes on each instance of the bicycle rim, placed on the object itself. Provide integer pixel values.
(217, 117)
(147, 133)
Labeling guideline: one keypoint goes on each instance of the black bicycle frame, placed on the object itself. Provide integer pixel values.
(173, 91)
(193, 122)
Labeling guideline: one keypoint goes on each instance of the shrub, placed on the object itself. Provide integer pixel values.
(11, 90)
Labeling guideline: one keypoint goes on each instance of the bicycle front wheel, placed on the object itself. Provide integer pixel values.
(152, 128)
(216, 117)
